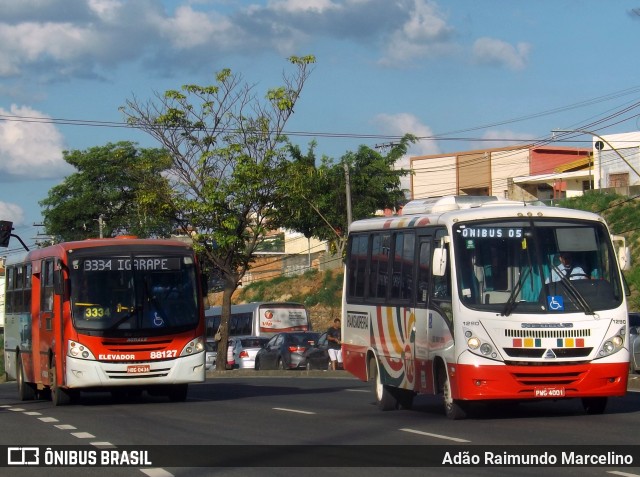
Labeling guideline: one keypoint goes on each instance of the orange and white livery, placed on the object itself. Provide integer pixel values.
(124, 315)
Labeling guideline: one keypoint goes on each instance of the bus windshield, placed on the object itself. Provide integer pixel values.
(536, 266)
(114, 293)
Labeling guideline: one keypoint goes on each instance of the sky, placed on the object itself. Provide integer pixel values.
(458, 74)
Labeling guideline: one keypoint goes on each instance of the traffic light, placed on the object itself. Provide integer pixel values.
(5, 232)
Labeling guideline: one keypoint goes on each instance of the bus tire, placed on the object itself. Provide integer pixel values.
(385, 400)
(594, 405)
(26, 391)
(453, 408)
(405, 398)
(59, 396)
(178, 392)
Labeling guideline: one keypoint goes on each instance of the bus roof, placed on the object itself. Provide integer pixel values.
(450, 209)
(124, 242)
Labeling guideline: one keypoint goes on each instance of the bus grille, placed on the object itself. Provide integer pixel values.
(548, 378)
(123, 375)
(555, 333)
(540, 352)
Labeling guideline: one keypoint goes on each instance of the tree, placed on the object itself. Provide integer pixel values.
(317, 204)
(117, 183)
(228, 160)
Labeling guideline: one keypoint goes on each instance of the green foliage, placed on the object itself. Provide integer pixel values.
(316, 202)
(623, 216)
(122, 183)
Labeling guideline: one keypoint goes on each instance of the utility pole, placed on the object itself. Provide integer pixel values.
(348, 191)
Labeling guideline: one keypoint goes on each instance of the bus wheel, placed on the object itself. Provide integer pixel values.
(405, 398)
(384, 398)
(453, 408)
(26, 391)
(59, 396)
(594, 405)
(178, 392)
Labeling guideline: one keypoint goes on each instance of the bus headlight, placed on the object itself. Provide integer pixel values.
(486, 349)
(473, 343)
(78, 350)
(611, 346)
(193, 347)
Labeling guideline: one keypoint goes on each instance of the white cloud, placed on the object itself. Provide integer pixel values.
(296, 6)
(30, 149)
(12, 212)
(405, 123)
(425, 33)
(489, 51)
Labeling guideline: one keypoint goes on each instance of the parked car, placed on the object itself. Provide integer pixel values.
(286, 350)
(245, 349)
(634, 341)
(211, 351)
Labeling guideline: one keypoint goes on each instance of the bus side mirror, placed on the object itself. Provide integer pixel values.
(439, 262)
(204, 284)
(624, 258)
(60, 285)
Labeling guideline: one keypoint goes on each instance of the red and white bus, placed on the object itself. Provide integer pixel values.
(121, 314)
(457, 297)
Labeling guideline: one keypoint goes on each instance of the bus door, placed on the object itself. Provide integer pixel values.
(438, 322)
(45, 325)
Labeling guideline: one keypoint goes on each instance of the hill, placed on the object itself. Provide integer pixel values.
(320, 292)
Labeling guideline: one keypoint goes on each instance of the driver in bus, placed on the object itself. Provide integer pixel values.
(567, 268)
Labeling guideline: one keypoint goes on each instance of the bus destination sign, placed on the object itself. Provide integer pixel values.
(117, 264)
(492, 232)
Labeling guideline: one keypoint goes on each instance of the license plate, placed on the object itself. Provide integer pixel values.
(549, 392)
(138, 368)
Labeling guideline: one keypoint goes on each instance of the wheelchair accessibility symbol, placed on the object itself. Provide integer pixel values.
(555, 303)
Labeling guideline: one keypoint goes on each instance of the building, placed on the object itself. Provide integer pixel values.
(493, 172)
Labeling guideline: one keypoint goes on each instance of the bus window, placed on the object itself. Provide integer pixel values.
(424, 260)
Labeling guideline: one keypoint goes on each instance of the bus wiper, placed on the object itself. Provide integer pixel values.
(132, 311)
(511, 302)
(573, 291)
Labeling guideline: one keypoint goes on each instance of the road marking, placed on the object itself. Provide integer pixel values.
(292, 410)
(48, 419)
(622, 474)
(358, 390)
(16, 409)
(438, 436)
(83, 435)
(33, 413)
(65, 427)
(156, 472)
(103, 445)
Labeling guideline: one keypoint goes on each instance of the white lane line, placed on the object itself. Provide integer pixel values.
(65, 427)
(358, 390)
(33, 413)
(16, 409)
(48, 419)
(156, 472)
(438, 436)
(103, 445)
(622, 474)
(292, 410)
(83, 435)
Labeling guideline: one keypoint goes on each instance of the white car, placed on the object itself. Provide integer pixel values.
(245, 349)
(634, 341)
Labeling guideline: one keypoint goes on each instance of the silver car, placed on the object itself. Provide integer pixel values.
(211, 350)
(245, 349)
(634, 341)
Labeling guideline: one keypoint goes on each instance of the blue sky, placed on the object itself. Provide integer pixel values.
(460, 74)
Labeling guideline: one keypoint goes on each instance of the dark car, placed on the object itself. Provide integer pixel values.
(286, 350)
(634, 341)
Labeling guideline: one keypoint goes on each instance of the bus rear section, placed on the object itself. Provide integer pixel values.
(260, 319)
(117, 315)
(475, 304)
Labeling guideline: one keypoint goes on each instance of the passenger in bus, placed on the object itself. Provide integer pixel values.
(334, 337)
(568, 269)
